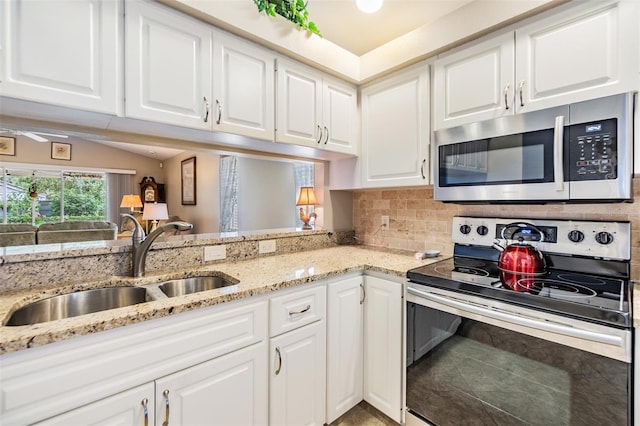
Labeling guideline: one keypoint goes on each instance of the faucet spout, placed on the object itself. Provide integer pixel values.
(140, 244)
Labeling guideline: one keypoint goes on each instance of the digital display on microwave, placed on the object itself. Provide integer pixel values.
(590, 128)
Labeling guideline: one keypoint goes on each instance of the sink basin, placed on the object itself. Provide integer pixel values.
(79, 303)
(184, 286)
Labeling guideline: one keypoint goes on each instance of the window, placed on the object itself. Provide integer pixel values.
(42, 196)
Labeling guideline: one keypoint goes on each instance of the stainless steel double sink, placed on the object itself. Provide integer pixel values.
(102, 299)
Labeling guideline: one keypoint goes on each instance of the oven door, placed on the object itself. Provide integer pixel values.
(475, 361)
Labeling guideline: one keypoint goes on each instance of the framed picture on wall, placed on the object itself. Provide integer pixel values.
(61, 151)
(188, 178)
(7, 146)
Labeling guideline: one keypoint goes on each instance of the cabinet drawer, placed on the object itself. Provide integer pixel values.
(293, 310)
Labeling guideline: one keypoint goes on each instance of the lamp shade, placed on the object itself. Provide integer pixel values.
(307, 197)
(155, 211)
(131, 200)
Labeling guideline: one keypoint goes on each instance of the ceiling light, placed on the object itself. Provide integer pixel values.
(369, 6)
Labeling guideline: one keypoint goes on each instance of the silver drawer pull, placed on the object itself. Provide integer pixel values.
(300, 312)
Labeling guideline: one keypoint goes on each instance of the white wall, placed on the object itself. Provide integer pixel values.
(266, 195)
(205, 215)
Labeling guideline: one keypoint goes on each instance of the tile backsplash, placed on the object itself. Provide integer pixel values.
(417, 222)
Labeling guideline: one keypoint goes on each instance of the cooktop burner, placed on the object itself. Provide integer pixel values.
(596, 298)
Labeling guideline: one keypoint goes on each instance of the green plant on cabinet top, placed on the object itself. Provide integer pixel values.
(293, 10)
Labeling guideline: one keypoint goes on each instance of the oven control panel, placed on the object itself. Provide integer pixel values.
(611, 240)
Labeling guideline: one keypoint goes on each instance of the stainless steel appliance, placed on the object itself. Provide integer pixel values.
(581, 151)
(556, 351)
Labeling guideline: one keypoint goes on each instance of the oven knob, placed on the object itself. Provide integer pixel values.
(482, 230)
(465, 229)
(576, 236)
(604, 237)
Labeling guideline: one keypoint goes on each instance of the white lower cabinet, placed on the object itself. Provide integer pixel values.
(297, 360)
(131, 407)
(345, 309)
(297, 388)
(383, 346)
(230, 390)
(213, 362)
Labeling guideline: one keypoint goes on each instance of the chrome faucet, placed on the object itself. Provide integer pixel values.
(140, 243)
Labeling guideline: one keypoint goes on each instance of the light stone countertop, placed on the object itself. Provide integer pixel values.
(636, 303)
(256, 276)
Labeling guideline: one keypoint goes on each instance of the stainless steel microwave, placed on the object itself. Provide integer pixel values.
(576, 152)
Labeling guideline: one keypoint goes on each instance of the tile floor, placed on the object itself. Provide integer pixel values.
(363, 414)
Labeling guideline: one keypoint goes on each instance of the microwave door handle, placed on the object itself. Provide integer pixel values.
(520, 319)
(558, 153)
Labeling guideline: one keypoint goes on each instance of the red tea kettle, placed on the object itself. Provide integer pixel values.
(520, 263)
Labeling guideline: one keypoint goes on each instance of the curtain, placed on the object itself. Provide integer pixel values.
(229, 194)
(117, 186)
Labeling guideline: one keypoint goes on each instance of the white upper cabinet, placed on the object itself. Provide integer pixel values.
(475, 83)
(395, 130)
(63, 53)
(314, 110)
(183, 72)
(243, 88)
(168, 66)
(573, 55)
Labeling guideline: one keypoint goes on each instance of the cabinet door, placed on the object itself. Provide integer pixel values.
(340, 117)
(383, 346)
(395, 130)
(168, 66)
(230, 390)
(345, 309)
(297, 385)
(577, 55)
(62, 52)
(475, 83)
(132, 407)
(298, 105)
(243, 88)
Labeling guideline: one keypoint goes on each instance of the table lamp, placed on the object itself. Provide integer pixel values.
(155, 212)
(132, 201)
(307, 198)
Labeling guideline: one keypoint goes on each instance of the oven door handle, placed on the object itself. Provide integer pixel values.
(520, 320)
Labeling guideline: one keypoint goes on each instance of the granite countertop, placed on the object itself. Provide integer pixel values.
(253, 277)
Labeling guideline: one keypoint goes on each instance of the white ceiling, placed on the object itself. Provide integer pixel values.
(342, 23)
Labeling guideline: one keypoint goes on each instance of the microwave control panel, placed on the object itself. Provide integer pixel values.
(593, 150)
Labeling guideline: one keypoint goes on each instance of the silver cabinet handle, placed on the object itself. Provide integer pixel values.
(363, 293)
(219, 105)
(506, 94)
(301, 311)
(145, 410)
(424, 162)
(558, 155)
(326, 138)
(206, 109)
(279, 361)
(319, 131)
(521, 89)
(166, 407)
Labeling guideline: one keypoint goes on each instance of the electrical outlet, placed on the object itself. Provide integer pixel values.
(384, 222)
(218, 252)
(266, 246)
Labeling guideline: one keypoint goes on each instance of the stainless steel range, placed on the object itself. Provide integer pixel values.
(550, 348)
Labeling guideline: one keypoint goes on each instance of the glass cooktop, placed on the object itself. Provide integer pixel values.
(601, 297)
